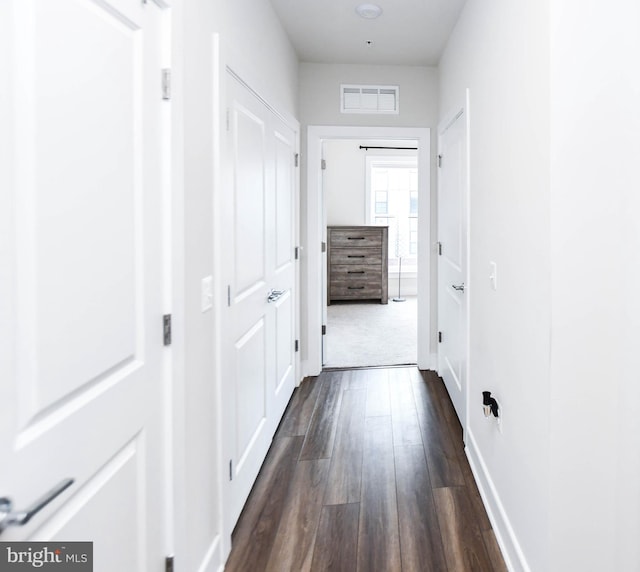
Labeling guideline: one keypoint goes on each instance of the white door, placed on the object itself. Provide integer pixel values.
(259, 275)
(81, 345)
(452, 261)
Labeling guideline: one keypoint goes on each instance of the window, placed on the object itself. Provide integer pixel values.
(393, 200)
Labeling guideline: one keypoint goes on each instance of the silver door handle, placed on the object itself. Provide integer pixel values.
(458, 288)
(10, 517)
(274, 295)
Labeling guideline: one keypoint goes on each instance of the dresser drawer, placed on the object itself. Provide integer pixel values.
(342, 274)
(354, 237)
(355, 292)
(341, 256)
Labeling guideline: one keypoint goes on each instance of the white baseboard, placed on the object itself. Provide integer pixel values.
(505, 535)
(212, 561)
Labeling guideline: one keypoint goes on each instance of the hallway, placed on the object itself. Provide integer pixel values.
(366, 472)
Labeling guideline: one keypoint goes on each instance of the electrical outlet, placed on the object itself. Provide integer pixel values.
(206, 293)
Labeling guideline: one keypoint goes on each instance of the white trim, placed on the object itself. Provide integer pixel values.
(211, 560)
(315, 232)
(219, 110)
(179, 511)
(505, 535)
(434, 362)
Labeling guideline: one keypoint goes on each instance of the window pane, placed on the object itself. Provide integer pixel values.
(381, 202)
(413, 202)
(413, 185)
(380, 179)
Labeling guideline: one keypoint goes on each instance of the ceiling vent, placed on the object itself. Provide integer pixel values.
(371, 99)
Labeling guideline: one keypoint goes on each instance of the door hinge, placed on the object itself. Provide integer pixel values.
(324, 329)
(296, 252)
(230, 469)
(296, 159)
(323, 247)
(439, 248)
(168, 563)
(439, 337)
(296, 346)
(439, 160)
(323, 164)
(166, 84)
(166, 329)
(229, 295)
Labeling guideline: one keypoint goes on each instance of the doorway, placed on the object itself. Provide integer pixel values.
(372, 183)
(315, 260)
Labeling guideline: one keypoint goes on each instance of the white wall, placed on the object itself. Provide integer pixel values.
(499, 50)
(254, 45)
(555, 141)
(319, 94)
(595, 279)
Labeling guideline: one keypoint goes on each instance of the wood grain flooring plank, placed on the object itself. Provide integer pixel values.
(462, 539)
(378, 534)
(255, 532)
(304, 515)
(406, 428)
(345, 474)
(294, 543)
(337, 539)
(440, 449)
(320, 437)
(493, 550)
(420, 539)
(298, 414)
(357, 379)
(378, 403)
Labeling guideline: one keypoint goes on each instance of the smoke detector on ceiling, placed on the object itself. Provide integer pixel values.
(368, 11)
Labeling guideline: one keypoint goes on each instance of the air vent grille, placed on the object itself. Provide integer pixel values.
(371, 99)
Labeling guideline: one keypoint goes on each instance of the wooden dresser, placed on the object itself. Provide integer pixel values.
(357, 263)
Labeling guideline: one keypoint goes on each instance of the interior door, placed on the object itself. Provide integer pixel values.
(81, 209)
(452, 261)
(260, 275)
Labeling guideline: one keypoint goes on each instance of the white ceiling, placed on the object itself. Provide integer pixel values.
(409, 32)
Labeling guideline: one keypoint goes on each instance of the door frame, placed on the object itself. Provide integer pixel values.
(315, 235)
(462, 109)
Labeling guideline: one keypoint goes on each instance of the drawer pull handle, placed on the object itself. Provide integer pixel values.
(356, 287)
(355, 271)
(355, 255)
(356, 238)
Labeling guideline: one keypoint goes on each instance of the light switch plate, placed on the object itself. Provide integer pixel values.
(207, 294)
(493, 275)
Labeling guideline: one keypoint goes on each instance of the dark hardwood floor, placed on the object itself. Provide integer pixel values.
(366, 473)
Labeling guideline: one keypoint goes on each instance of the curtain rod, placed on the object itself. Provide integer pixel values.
(367, 147)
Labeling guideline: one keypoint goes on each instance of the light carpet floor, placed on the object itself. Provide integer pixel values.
(371, 334)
